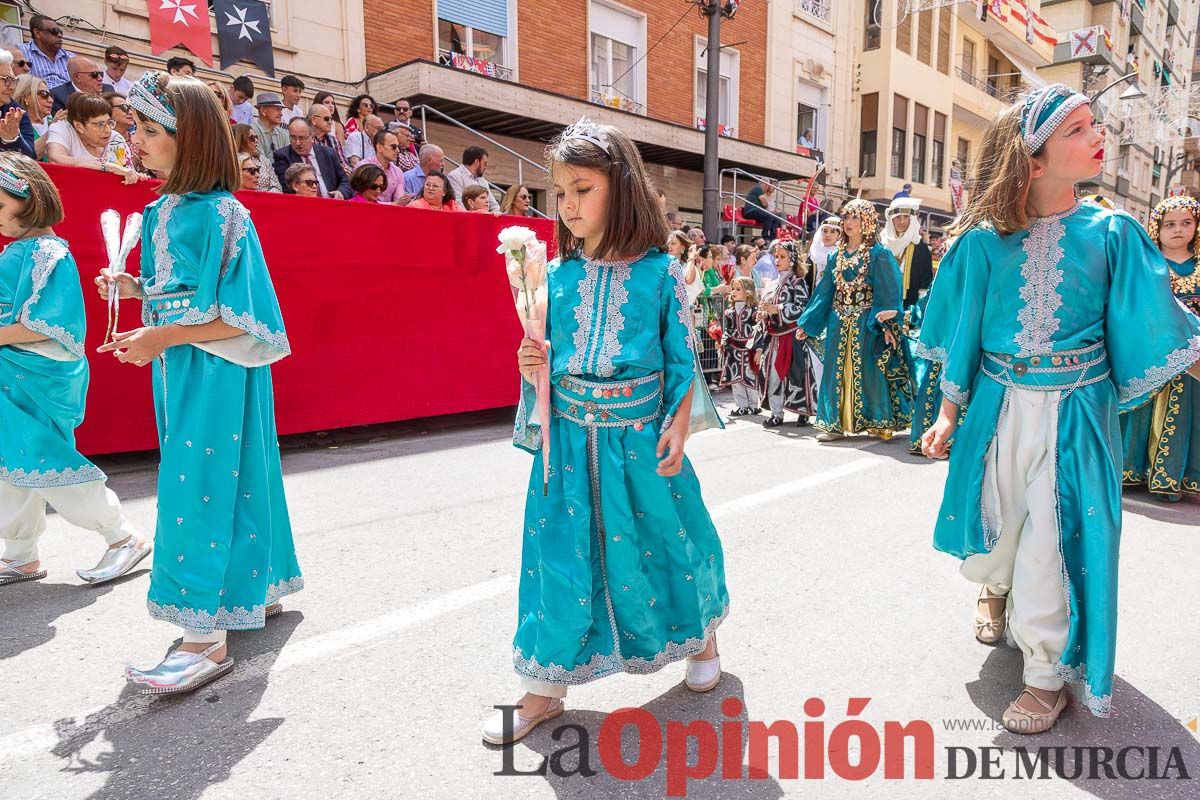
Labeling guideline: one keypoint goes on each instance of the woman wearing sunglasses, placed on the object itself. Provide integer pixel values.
(368, 183)
(16, 134)
(247, 144)
(86, 138)
(32, 95)
(250, 171)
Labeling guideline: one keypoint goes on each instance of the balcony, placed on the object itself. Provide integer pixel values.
(477, 65)
(1088, 46)
(1009, 35)
(613, 100)
(1123, 187)
(1173, 13)
(1137, 18)
(817, 9)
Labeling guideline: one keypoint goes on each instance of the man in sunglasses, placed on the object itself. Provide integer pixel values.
(85, 77)
(116, 62)
(20, 63)
(45, 52)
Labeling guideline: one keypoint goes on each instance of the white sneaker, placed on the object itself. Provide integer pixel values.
(826, 436)
(703, 676)
(493, 726)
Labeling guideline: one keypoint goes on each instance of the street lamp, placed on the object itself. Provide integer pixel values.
(1134, 92)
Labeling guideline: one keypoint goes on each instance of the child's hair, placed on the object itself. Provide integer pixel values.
(43, 208)
(206, 159)
(747, 285)
(742, 252)
(634, 223)
(796, 262)
(999, 188)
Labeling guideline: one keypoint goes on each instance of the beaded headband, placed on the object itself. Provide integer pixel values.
(1174, 204)
(151, 102)
(13, 184)
(588, 131)
(864, 211)
(1044, 112)
(832, 222)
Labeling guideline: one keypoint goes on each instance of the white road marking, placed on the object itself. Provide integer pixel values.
(753, 501)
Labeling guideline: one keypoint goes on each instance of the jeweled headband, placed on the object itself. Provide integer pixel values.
(1045, 110)
(864, 211)
(588, 131)
(148, 100)
(1174, 204)
(14, 184)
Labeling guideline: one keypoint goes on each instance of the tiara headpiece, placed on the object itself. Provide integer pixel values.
(588, 131)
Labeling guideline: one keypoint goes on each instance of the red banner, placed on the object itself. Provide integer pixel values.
(393, 313)
(180, 22)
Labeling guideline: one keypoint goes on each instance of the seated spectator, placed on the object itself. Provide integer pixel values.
(16, 131)
(404, 112)
(116, 64)
(407, 159)
(327, 99)
(20, 64)
(436, 193)
(807, 139)
(178, 65)
(320, 118)
(250, 171)
(361, 143)
(302, 180)
(45, 52)
(516, 202)
(369, 183)
(32, 95)
(674, 221)
(470, 173)
(242, 93)
(85, 77)
(475, 198)
(431, 160)
(386, 148)
(86, 138)
(125, 124)
(759, 204)
(272, 135)
(361, 107)
(246, 140)
(302, 149)
(291, 88)
(223, 99)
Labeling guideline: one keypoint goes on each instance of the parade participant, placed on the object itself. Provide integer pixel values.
(902, 236)
(866, 385)
(738, 330)
(1162, 438)
(622, 569)
(1031, 314)
(223, 550)
(785, 377)
(824, 244)
(45, 376)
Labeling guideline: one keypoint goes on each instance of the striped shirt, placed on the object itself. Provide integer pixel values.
(53, 72)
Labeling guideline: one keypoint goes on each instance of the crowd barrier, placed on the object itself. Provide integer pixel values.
(392, 313)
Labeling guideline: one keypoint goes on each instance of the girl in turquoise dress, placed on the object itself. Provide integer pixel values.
(223, 551)
(621, 568)
(1162, 438)
(43, 388)
(1048, 315)
(865, 384)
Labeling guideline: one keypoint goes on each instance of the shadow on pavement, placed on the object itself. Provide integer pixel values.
(179, 747)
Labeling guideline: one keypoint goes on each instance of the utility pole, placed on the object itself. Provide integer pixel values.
(712, 106)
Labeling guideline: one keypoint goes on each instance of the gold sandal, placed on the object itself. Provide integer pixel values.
(989, 629)
(1023, 721)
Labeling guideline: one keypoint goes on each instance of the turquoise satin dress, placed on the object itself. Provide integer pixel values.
(866, 384)
(621, 569)
(223, 549)
(927, 377)
(1077, 303)
(1162, 438)
(43, 385)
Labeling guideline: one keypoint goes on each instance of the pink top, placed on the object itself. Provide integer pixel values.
(421, 203)
(358, 198)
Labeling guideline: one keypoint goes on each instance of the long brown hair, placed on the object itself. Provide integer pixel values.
(635, 224)
(205, 157)
(43, 208)
(999, 189)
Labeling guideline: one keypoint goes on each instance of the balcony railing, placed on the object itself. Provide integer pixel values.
(613, 100)
(820, 9)
(477, 65)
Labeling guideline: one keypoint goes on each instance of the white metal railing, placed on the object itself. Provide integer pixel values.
(821, 9)
(613, 100)
(479, 66)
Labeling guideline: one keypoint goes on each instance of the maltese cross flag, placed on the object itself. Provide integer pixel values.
(180, 22)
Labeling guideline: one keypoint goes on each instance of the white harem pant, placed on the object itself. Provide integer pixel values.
(90, 505)
(1020, 501)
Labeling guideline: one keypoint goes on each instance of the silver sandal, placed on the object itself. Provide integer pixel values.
(180, 672)
(10, 572)
(117, 562)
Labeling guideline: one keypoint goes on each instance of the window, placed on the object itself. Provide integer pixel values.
(925, 37)
(943, 57)
(899, 135)
(811, 102)
(873, 35)
(992, 79)
(963, 156)
(868, 141)
(938, 160)
(617, 77)
(473, 29)
(920, 137)
(968, 58)
(904, 29)
(727, 100)
(806, 125)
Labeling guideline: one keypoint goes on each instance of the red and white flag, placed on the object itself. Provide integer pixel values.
(180, 22)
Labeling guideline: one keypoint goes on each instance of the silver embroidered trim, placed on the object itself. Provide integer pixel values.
(612, 320)
(675, 270)
(602, 664)
(937, 354)
(164, 262)
(235, 222)
(238, 618)
(1040, 292)
(1156, 377)
(586, 289)
(1099, 705)
(47, 252)
(38, 479)
(198, 316)
(953, 392)
(599, 326)
(259, 330)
